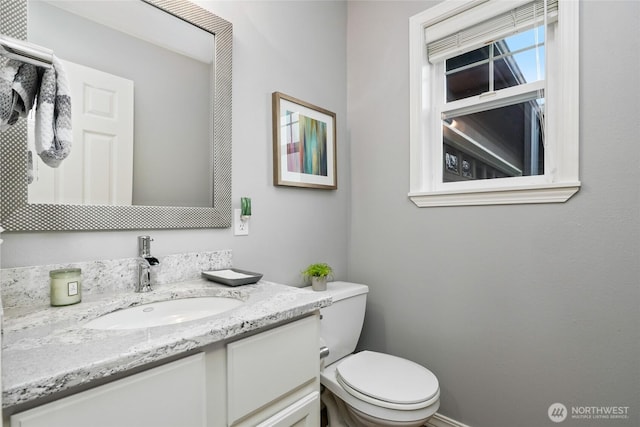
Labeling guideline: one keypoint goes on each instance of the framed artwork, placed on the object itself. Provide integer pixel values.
(304, 144)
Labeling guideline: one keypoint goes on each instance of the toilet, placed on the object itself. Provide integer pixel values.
(368, 388)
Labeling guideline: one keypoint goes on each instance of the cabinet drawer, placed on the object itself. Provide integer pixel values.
(303, 413)
(267, 366)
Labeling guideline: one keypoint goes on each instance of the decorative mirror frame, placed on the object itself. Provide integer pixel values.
(17, 214)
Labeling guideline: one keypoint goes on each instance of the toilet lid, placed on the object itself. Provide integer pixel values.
(387, 378)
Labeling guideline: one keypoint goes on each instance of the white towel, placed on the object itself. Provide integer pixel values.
(53, 116)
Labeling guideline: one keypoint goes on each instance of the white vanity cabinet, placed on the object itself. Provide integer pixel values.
(270, 379)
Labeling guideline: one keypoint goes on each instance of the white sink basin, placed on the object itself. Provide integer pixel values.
(164, 313)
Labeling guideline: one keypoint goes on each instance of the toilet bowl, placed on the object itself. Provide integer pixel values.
(369, 388)
(383, 390)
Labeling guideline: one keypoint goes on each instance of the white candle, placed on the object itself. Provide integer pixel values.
(66, 286)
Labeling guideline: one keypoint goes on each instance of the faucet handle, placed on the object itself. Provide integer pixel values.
(152, 260)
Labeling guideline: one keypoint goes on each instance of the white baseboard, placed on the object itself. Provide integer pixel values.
(439, 420)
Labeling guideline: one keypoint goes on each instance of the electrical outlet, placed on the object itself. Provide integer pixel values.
(240, 227)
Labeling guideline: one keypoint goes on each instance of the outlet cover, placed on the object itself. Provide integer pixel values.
(240, 227)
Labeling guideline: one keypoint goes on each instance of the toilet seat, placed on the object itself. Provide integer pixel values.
(380, 415)
(387, 381)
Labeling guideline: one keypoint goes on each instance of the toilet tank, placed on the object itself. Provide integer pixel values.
(342, 321)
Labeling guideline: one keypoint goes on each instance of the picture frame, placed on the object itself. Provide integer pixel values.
(304, 144)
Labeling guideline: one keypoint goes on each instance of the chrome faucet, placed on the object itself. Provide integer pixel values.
(145, 261)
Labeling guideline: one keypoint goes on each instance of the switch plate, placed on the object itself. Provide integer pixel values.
(240, 227)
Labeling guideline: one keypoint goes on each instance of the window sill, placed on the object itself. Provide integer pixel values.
(550, 193)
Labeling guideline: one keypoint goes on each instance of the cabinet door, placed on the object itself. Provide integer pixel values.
(303, 413)
(167, 396)
(266, 367)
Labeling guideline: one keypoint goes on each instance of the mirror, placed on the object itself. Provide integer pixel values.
(211, 206)
(141, 114)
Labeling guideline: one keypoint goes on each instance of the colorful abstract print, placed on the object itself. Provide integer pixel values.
(306, 144)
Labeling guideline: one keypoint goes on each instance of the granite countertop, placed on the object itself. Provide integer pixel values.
(46, 350)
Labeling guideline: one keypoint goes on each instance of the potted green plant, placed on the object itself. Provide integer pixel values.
(318, 273)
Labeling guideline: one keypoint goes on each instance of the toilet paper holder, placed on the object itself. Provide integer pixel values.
(324, 352)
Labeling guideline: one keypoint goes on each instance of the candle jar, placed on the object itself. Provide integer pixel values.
(66, 286)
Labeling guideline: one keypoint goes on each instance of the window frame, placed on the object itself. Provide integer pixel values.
(561, 178)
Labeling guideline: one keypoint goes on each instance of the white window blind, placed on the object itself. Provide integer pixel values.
(443, 43)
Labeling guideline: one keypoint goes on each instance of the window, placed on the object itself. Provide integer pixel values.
(494, 103)
(489, 139)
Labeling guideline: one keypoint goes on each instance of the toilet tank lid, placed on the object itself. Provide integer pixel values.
(343, 290)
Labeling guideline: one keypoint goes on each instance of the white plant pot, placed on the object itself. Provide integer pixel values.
(319, 283)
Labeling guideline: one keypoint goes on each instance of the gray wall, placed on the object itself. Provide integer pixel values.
(297, 48)
(512, 307)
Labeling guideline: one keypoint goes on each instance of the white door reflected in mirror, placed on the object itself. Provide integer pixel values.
(102, 147)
